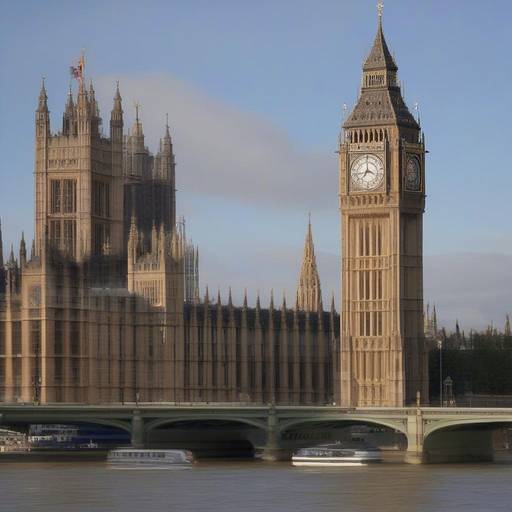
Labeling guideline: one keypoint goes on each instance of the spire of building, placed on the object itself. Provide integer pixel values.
(137, 125)
(380, 101)
(95, 111)
(82, 101)
(309, 292)
(68, 117)
(116, 119)
(380, 57)
(507, 330)
(117, 101)
(12, 259)
(23, 250)
(70, 104)
(167, 135)
(43, 98)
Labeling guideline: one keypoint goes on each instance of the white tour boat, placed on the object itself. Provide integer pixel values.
(341, 454)
(130, 458)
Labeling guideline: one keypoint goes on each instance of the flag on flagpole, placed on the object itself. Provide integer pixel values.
(78, 71)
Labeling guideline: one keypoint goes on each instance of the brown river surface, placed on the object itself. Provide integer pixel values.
(248, 486)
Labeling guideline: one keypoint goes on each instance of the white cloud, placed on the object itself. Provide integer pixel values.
(223, 152)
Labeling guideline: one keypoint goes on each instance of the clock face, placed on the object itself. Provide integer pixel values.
(413, 174)
(367, 172)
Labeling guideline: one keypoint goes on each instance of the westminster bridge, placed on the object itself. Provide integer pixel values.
(430, 434)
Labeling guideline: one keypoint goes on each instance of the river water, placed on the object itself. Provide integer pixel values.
(254, 486)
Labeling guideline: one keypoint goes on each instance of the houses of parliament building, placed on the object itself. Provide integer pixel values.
(105, 307)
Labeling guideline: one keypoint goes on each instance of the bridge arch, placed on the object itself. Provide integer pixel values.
(123, 425)
(160, 422)
(452, 424)
(398, 425)
(461, 439)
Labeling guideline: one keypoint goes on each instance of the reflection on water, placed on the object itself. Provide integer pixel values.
(255, 486)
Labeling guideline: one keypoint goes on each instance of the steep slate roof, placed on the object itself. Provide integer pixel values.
(380, 57)
(380, 105)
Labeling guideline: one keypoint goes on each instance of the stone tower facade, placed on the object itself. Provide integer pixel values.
(382, 200)
(79, 179)
(309, 293)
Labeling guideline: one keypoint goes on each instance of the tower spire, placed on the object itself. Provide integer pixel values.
(43, 98)
(309, 290)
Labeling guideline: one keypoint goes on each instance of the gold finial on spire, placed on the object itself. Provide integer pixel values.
(136, 104)
(380, 8)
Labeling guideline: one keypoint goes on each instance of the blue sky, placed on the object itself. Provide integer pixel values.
(254, 92)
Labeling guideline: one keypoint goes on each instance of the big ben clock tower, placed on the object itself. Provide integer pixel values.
(382, 200)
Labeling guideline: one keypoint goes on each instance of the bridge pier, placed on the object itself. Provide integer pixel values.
(273, 450)
(138, 437)
(414, 453)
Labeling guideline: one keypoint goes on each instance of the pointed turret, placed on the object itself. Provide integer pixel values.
(33, 250)
(43, 99)
(69, 116)
(92, 99)
(118, 108)
(309, 294)
(116, 118)
(164, 160)
(245, 298)
(137, 131)
(12, 260)
(434, 321)
(42, 116)
(94, 111)
(23, 251)
(82, 101)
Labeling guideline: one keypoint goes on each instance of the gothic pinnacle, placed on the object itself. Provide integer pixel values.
(117, 101)
(43, 98)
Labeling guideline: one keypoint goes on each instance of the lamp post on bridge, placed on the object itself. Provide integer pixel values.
(440, 347)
